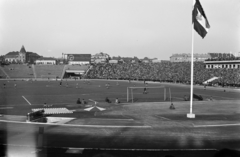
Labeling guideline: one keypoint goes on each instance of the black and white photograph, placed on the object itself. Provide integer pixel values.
(120, 78)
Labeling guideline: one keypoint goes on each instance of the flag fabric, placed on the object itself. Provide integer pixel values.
(199, 19)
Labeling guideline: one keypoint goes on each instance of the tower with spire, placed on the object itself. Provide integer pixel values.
(22, 55)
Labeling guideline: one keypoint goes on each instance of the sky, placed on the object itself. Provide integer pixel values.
(127, 28)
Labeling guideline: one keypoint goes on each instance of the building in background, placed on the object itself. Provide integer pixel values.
(31, 57)
(21, 57)
(79, 59)
(219, 64)
(16, 56)
(146, 60)
(222, 60)
(186, 57)
(100, 58)
(219, 56)
(45, 61)
(155, 60)
(12, 57)
(124, 59)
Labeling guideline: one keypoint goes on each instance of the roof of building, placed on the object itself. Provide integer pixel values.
(205, 55)
(32, 54)
(146, 59)
(46, 58)
(101, 54)
(12, 54)
(79, 57)
(116, 58)
(221, 55)
(23, 50)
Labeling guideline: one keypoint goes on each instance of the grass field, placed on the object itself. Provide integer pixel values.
(39, 92)
(145, 124)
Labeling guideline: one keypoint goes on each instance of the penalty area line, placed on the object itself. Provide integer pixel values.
(215, 125)
(26, 100)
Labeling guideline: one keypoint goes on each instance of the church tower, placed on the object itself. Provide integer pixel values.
(22, 55)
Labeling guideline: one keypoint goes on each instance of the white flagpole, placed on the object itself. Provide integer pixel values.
(191, 115)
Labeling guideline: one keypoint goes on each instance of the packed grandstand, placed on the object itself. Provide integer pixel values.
(163, 72)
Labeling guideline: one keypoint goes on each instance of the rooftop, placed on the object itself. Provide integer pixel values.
(23, 50)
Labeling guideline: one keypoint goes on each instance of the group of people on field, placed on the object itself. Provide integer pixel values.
(79, 101)
(109, 101)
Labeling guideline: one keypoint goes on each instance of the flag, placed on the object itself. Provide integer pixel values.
(199, 19)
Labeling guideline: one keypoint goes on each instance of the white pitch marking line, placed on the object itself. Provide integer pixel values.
(111, 119)
(164, 118)
(219, 97)
(74, 125)
(93, 101)
(2, 108)
(26, 100)
(216, 125)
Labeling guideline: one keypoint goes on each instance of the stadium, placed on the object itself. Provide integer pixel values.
(101, 81)
(43, 115)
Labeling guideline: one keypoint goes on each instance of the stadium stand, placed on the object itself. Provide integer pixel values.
(18, 71)
(63, 71)
(34, 71)
(71, 70)
(164, 72)
(3, 74)
(49, 71)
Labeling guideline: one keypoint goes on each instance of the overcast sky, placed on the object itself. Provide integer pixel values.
(127, 28)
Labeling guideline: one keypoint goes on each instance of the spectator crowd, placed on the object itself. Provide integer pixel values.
(164, 72)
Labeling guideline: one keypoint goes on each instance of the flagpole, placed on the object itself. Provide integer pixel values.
(191, 115)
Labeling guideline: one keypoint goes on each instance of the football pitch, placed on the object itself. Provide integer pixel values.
(147, 123)
(50, 92)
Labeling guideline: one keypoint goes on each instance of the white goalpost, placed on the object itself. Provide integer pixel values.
(159, 93)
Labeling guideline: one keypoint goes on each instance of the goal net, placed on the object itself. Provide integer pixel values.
(146, 94)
